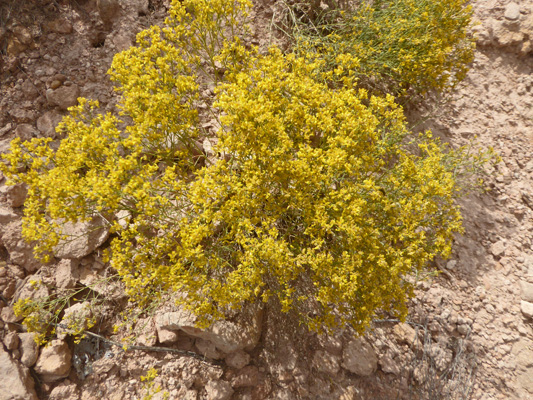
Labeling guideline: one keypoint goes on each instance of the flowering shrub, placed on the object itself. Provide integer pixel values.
(45, 314)
(399, 45)
(321, 200)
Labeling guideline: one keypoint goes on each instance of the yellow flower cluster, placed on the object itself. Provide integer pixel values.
(399, 45)
(319, 206)
(323, 202)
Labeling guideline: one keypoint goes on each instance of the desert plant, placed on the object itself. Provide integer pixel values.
(45, 315)
(321, 199)
(441, 378)
(401, 46)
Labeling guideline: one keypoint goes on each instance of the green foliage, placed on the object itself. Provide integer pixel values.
(45, 315)
(321, 200)
(399, 45)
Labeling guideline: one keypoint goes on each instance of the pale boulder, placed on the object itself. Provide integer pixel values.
(46, 124)
(218, 390)
(16, 194)
(527, 291)
(82, 238)
(25, 132)
(166, 337)
(405, 334)
(11, 340)
(67, 274)
(54, 362)
(7, 216)
(527, 308)
(326, 362)
(238, 359)
(512, 11)
(359, 357)
(15, 380)
(64, 96)
(29, 349)
(65, 391)
(20, 252)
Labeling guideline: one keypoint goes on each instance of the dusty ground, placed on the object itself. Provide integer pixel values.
(469, 333)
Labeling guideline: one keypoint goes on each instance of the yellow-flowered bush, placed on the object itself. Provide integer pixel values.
(321, 199)
(400, 45)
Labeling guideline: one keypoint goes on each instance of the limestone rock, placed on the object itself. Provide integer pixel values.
(326, 362)
(332, 343)
(146, 332)
(25, 132)
(512, 11)
(22, 114)
(29, 290)
(207, 349)
(504, 36)
(54, 362)
(123, 41)
(140, 6)
(7, 216)
(526, 27)
(498, 249)
(190, 395)
(82, 238)
(405, 333)
(176, 320)
(522, 353)
(64, 391)
(527, 308)
(29, 89)
(349, 393)
(525, 380)
(218, 390)
(6, 129)
(359, 357)
(23, 34)
(227, 336)
(15, 46)
(7, 315)
(67, 274)
(64, 96)
(46, 124)
(15, 194)
(527, 291)
(263, 388)
(238, 359)
(166, 337)
(29, 349)
(11, 341)
(246, 377)
(20, 252)
(15, 381)
(389, 365)
(527, 47)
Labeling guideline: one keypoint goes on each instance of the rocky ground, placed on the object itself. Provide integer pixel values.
(468, 334)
